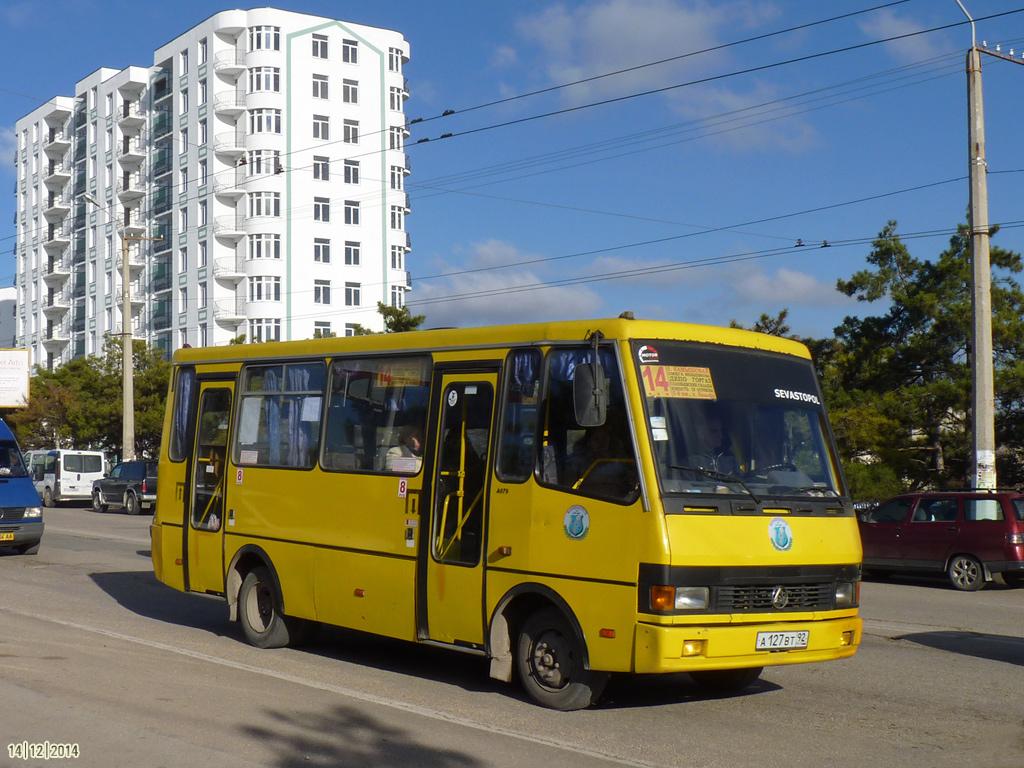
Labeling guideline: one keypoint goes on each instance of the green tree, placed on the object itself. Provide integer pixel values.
(395, 320)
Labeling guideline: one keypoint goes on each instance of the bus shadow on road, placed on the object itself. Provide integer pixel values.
(982, 646)
(140, 593)
(346, 737)
(634, 691)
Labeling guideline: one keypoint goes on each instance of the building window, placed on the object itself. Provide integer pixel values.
(202, 92)
(397, 296)
(394, 59)
(265, 288)
(396, 98)
(351, 171)
(201, 259)
(321, 329)
(182, 259)
(203, 336)
(183, 299)
(202, 132)
(202, 213)
(321, 209)
(202, 51)
(183, 220)
(322, 250)
(350, 51)
(184, 61)
(265, 121)
(351, 294)
(350, 91)
(319, 46)
(265, 79)
(350, 133)
(202, 296)
(322, 291)
(322, 127)
(321, 168)
(265, 204)
(351, 253)
(263, 161)
(397, 254)
(264, 38)
(396, 216)
(264, 246)
(397, 177)
(351, 212)
(319, 86)
(268, 329)
(183, 101)
(183, 139)
(397, 136)
(202, 173)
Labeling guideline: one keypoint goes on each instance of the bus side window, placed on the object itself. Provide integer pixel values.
(518, 441)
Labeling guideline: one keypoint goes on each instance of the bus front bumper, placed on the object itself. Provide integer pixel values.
(661, 649)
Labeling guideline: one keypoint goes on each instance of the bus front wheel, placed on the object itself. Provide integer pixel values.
(550, 662)
(260, 611)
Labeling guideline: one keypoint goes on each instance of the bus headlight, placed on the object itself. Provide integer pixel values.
(679, 598)
(846, 594)
(33, 511)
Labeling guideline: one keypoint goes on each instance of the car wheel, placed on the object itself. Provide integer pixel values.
(260, 611)
(550, 663)
(726, 680)
(131, 504)
(97, 503)
(966, 573)
(47, 497)
(28, 549)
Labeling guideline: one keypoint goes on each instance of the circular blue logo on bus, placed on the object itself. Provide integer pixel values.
(780, 534)
(576, 523)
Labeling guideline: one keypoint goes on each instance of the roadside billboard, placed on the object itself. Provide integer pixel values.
(14, 377)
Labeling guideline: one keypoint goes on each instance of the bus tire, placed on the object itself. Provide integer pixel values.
(550, 663)
(724, 681)
(259, 610)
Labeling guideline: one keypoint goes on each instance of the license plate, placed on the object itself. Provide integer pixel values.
(7, 536)
(781, 641)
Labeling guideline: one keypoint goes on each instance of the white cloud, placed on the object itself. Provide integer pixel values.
(887, 23)
(496, 297)
(504, 56)
(8, 145)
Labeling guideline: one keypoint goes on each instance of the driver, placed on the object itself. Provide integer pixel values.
(713, 452)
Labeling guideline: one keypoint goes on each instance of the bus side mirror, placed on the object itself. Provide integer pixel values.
(589, 395)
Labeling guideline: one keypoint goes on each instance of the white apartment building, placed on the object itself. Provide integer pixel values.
(254, 175)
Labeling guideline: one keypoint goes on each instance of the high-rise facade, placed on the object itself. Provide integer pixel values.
(254, 177)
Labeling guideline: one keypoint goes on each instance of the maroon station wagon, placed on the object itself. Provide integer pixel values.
(970, 535)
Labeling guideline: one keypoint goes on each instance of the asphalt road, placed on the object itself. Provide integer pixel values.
(95, 653)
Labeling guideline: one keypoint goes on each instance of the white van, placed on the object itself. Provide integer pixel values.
(64, 475)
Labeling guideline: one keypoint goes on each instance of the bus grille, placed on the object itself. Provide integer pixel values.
(12, 513)
(758, 598)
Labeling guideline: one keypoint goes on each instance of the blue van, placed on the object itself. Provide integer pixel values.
(21, 511)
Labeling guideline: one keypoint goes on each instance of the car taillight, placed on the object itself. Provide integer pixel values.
(1014, 539)
(144, 486)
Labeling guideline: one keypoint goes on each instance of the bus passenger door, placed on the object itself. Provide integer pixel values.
(207, 487)
(454, 578)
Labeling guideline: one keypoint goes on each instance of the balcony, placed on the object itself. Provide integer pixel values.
(228, 269)
(132, 116)
(57, 208)
(57, 143)
(230, 63)
(229, 227)
(131, 189)
(136, 261)
(229, 143)
(408, 165)
(229, 103)
(56, 338)
(56, 306)
(229, 183)
(57, 176)
(59, 270)
(58, 238)
(131, 152)
(229, 311)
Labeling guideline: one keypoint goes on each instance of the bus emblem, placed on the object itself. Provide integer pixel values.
(576, 523)
(780, 534)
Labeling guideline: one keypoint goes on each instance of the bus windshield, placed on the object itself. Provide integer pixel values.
(11, 464)
(728, 420)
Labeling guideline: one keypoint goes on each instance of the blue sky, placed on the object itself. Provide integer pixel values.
(682, 204)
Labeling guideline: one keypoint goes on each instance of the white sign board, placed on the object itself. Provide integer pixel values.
(14, 377)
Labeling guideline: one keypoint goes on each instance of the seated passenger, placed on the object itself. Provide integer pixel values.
(599, 464)
(408, 452)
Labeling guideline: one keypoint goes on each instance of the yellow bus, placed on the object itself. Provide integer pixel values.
(568, 499)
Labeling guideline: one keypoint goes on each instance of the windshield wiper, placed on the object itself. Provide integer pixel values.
(818, 488)
(714, 474)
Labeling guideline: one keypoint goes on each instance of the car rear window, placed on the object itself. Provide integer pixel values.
(979, 510)
(1018, 507)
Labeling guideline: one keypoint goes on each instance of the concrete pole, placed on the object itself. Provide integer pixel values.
(983, 440)
(127, 361)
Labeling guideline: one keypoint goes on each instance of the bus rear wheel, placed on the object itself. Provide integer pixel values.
(260, 611)
(550, 663)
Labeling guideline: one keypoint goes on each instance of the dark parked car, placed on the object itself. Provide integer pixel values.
(130, 484)
(970, 535)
